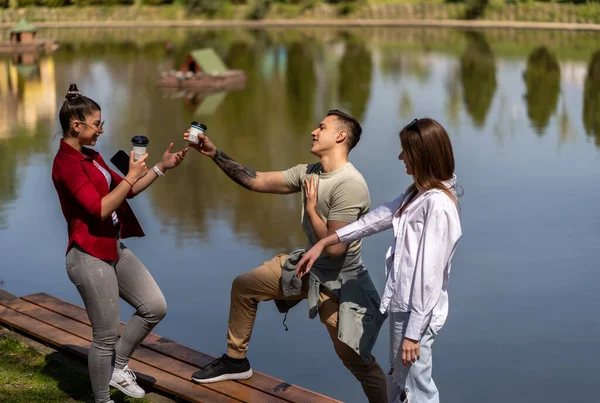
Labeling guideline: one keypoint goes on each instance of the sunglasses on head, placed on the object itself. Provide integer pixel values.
(412, 127)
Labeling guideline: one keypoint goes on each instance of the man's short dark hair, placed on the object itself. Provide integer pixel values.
(350, 124)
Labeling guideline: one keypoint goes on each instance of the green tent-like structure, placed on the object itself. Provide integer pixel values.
(22, 26)
(22, 33)
(205, 60)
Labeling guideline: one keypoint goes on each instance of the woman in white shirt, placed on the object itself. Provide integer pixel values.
(426, 224)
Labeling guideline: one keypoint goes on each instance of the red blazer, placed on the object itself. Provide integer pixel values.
(81, 186)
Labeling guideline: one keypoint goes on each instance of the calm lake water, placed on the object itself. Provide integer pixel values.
(525, 124)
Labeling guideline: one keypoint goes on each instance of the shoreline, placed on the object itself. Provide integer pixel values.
(64, 367)
(325, 23)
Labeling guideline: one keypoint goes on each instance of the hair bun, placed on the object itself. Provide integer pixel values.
(73, 92)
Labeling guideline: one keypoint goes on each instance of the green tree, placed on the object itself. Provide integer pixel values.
(206, 7)
(542, 79)
(478, 76)
(475, 8)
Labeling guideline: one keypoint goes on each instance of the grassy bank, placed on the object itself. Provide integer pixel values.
(30, 376)
(493, 10)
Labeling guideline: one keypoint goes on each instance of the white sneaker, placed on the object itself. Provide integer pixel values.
(124, 380)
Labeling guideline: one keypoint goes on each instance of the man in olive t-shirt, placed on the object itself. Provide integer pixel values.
(334, 195)
(343, 196)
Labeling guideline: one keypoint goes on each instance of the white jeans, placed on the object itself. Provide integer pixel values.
(415, 379)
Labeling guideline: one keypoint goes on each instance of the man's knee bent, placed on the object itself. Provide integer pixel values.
(239, 285)
(244, 284)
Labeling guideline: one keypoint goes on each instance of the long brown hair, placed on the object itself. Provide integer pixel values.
(428, 151)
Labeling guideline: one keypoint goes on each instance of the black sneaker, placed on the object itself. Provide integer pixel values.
(223, 369)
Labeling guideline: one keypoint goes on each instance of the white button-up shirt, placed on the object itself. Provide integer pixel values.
(418, 262)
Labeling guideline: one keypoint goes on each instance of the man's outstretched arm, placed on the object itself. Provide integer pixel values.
(263, 182)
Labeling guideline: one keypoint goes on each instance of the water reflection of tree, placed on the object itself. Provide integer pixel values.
(452, 107)
(566, 128)
(591, 99)
(27, 109)
(355, 78)
(542, 79)
(257, 125)
(15, 152)
(478, 76)
(398, 61)
(301, 82)
(405, 106)
(392, 63)
(265, 126)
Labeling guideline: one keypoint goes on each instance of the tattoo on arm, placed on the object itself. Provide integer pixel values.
(239, 172)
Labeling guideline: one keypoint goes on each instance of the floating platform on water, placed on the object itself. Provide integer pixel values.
(159, 363)
(203, 70)
(23, 39)
(202, 82)
(38, 45)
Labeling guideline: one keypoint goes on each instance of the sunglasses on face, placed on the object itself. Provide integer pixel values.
(95, 126)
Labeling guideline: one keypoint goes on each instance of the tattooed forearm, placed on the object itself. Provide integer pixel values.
(240, 173)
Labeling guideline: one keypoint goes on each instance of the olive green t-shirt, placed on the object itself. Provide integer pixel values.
(342, 195)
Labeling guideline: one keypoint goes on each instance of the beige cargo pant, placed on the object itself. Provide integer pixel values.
(263, 284)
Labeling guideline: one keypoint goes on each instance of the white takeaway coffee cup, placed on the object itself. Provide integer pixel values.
(195, 129)
(139, 144)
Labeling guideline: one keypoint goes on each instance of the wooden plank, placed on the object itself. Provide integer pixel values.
(276, 387)
(260, 381)
(78, 346)
(60, 306)
(142, 354)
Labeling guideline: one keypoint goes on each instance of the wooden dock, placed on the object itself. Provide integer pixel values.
(159, 363)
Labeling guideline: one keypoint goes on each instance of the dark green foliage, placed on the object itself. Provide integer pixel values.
(591, 99)
(542, 79)
(478, 76)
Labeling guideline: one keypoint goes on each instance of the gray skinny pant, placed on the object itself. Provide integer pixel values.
(414, 379)
(100, 285)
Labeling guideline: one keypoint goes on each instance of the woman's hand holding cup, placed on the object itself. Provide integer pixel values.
(137, 169)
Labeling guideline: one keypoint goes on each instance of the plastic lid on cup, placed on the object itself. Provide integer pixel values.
(199, 125)
(140, 141)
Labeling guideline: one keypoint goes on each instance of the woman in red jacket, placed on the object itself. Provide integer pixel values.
(92, 198)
